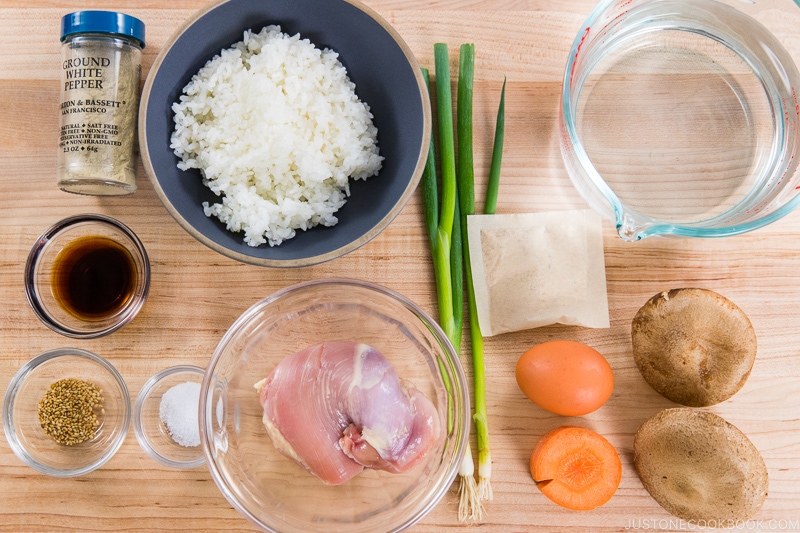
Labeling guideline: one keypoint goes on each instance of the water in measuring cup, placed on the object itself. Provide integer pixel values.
(677, 116)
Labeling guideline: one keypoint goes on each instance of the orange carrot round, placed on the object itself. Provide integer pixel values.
(576, 468)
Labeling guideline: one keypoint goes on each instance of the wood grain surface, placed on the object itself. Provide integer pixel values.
(196, 294)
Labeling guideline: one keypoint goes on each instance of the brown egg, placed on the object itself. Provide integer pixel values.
(565, 377)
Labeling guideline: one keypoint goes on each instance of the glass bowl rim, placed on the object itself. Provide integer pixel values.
(460, 393)
(31, 292)
(615, 207)
(138, 428)
(10, 399)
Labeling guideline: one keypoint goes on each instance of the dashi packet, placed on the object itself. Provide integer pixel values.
(535, 269)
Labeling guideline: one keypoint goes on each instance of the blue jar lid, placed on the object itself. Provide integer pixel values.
(102, 22)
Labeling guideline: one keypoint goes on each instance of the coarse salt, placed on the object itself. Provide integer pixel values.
(178, 411)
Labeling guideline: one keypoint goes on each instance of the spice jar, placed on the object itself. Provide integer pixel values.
(100, 72)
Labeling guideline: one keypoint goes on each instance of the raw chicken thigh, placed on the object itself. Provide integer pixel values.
(339, 407)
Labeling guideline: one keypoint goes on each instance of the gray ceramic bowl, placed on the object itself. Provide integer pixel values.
(387, 78)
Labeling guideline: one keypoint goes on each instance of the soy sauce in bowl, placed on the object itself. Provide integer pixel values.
(93, 277)
(87, 276)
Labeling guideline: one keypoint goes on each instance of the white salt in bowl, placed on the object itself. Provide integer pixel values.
(153, 434)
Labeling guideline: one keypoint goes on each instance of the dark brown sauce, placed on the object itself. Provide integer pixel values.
(93, 277)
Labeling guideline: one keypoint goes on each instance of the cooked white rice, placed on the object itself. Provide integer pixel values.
(276, 129)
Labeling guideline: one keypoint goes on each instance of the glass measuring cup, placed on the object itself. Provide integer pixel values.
(680, 117)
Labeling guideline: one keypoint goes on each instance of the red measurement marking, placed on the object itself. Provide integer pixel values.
(616, 21)
(578, 51)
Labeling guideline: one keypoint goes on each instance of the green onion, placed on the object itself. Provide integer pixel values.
(480, 417)
(430, 187)
(497, 156)
(466, 195)
(457, 276)
(466, 172)
(447, 245)
(446, 223)
(430, 198)
(444, 231)
(444, 103)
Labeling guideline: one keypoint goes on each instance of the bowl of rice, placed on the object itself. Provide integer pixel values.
(284, 133)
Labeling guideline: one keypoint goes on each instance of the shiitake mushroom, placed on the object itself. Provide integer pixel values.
(700, 467)
(693, 346)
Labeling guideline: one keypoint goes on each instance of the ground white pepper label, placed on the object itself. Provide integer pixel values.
(68, 411)
(98, 110)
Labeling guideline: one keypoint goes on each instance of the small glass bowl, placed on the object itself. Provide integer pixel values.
(151, 432)
(39, 450)
(42, 265)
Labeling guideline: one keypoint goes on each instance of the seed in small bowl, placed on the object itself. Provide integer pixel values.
(68, 411)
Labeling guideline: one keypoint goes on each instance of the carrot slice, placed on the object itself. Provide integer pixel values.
(576, 468)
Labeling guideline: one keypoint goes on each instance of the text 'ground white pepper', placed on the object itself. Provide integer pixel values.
(100, 73)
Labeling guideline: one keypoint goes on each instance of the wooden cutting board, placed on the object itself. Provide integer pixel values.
(196, 294)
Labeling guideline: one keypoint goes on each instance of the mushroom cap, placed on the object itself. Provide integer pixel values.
(700, 467)
(693, 346)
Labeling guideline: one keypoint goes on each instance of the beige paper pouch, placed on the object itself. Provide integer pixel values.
(535, 269)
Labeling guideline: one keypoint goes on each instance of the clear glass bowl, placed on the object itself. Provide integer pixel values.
(44, 262)
(36, 448)
(269, 488)
(681, 117)
(151, 433)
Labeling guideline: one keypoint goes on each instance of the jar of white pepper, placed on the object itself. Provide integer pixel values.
(100, 72)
